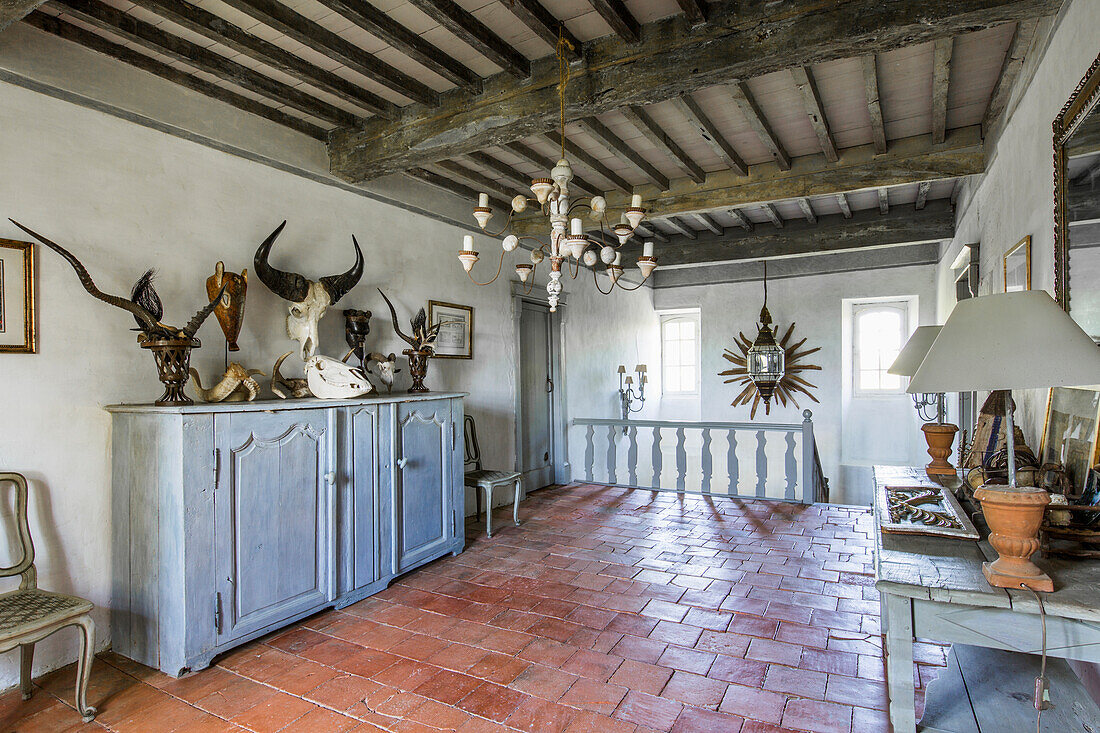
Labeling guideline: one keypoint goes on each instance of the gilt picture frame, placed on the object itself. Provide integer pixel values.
(18, 331)
(456, 332)
(1070, 432)
(1017, 266)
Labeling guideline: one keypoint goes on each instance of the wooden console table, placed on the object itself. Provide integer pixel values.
(933, 588)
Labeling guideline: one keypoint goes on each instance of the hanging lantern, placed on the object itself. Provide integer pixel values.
(765, 358)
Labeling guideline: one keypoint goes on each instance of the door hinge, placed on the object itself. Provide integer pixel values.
(452, 436)
(217, 613)
(217, 465)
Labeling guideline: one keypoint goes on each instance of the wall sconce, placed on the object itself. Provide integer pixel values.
(627, 396)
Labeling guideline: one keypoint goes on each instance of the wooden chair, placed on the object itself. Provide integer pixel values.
(483, 480)
(28, 615)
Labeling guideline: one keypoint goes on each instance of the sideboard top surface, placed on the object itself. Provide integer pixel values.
(274, 404)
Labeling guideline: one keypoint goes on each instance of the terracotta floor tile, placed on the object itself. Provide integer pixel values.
(675, 633)
(852, 691)
(273, 713)
(545, 682)
(439, 716)
(629, 623)
(801, 682)
(641, 677)
(547, 651)
(492, 701)
(541, 716)
(457, 657)
(820, 717)
(599, 697)
(688, 660)
(740, 671)
(171, 715)
(753, 703)
(648, 710)
(642, 650)
(593, 665)
(779, 652)
(697, 720)
(499, 668)
(320, 720)
(342, 692)
(406, 674)
(695, 690)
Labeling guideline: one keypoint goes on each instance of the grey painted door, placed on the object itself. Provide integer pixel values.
(273, 518)
(423, 520)
(536, 458)
(359, 516)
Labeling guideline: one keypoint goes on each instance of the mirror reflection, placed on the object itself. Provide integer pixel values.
(1083, 215)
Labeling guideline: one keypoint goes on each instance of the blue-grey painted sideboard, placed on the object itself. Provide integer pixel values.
(232, 520)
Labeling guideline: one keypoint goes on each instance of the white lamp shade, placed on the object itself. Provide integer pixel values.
(1019, 340)
(914, 351)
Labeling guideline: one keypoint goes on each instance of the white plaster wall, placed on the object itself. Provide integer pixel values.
(125, 197)
(1015, 196)
(815, 305)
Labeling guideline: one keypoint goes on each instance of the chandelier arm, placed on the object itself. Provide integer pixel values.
(499, 268)
(596, 282)
(503, 229)
(631, 290)
(573, 272)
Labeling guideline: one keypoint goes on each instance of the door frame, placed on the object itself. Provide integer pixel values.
(559, 447)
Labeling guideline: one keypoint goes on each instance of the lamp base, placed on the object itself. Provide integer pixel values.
(940, 436)
(1014, 515)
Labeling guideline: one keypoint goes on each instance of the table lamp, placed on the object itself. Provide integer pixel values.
(1020, 340)
(939, 434)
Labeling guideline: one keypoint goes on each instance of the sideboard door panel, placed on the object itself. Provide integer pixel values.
(273, 518)
(361, 502)
(423, 516)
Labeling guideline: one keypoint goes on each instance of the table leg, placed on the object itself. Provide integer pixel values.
(899, 662)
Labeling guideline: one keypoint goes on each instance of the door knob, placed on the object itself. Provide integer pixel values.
(330, 477)
(401, 462)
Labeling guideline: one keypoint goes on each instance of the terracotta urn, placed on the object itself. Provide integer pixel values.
(418, 368)
(1014, 515)
(940, 436)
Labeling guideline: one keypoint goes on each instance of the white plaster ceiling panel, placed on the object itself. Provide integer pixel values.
(687, 136)
(824, 205)
(778, 98)
(404, 64)
(861, 200)
(647, 11)
(631, 136)
(412, 17)
(497, 18)
(975, 67)
(905, 90)
(587, 26)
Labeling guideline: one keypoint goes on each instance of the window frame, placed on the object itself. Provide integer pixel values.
(693, 316)
(902, 307)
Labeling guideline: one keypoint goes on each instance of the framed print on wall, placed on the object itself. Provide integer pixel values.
(1017, 266)
(17, 305)
(456, 334)
(1070, 431)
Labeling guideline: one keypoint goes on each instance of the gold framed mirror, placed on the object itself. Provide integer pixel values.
(1077, 203)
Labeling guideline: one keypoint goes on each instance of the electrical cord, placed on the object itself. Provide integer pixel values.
(1042, 691)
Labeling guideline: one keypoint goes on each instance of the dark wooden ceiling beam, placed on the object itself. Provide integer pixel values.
(543, 24)
(303, 30)
(476, 35)
(532, 156)
(578, 153)
(759, 124)
(845, 208)
(709, 132)
(1010, 70)
(694, 10)
(481, 182)
(741, 219)
(874, 106)
(502, 169)
(15, 10)
(385, 28)
(740, 41)
(910, 160)
(214, 28)
(922, 195)
(832, 233)
(883, 201)
(452, 187)
(681, 226)
(616, 15)
(99, 44)
(152, 38)
(941, 80)
(773, 215)
(710, 223)
(641, 120)
(811, 98)
(807, 210)
(651, 232)
(614, 144)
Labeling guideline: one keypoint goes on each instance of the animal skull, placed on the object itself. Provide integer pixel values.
(237, 385)
(331, 379)
(386, 368)
(286, 387)
(309, 299)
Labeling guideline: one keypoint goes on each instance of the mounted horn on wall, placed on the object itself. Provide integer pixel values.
(308, 299)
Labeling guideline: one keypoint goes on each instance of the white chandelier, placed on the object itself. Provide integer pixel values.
(552, 196)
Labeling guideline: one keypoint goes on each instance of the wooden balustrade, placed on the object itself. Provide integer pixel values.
(780, 459)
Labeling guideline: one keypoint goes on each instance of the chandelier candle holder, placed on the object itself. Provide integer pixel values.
(567, 238)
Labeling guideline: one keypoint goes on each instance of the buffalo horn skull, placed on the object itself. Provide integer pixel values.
(308, 299)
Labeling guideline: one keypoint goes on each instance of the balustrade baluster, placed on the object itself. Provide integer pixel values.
(681, 460)
(732, 468)
(657, 457)
(612, 478)
(632, 455)
(790, 464)
(707, 462)
(589, 453)
(761, 465)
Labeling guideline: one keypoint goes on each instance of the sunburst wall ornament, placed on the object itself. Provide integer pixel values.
(779, 377)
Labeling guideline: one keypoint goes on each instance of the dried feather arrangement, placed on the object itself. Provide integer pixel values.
(787, 386)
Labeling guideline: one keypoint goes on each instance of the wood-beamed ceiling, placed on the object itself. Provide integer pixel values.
(724, 117)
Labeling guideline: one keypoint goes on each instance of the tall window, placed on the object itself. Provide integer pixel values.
(879, 332)
(680, 353)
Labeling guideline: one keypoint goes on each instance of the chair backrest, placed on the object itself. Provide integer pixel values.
(473, 451)
(25, 567)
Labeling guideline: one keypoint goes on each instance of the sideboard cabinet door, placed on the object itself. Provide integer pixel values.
(423, 521)
(273, 518)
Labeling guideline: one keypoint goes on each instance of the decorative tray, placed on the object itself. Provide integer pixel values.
(923, 510)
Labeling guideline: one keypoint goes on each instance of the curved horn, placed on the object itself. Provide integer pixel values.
(142, 315)
(287, 285)
(393, 315)
(197, 320)
(339, 285)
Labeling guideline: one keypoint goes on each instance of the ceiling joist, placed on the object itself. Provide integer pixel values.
(476, 35)
(811, 98)
(874, 106)
(941, 78)
(657, 137)
(708, 131)
(614, 144)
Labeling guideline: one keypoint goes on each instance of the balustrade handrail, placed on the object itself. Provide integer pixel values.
(784, 427)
